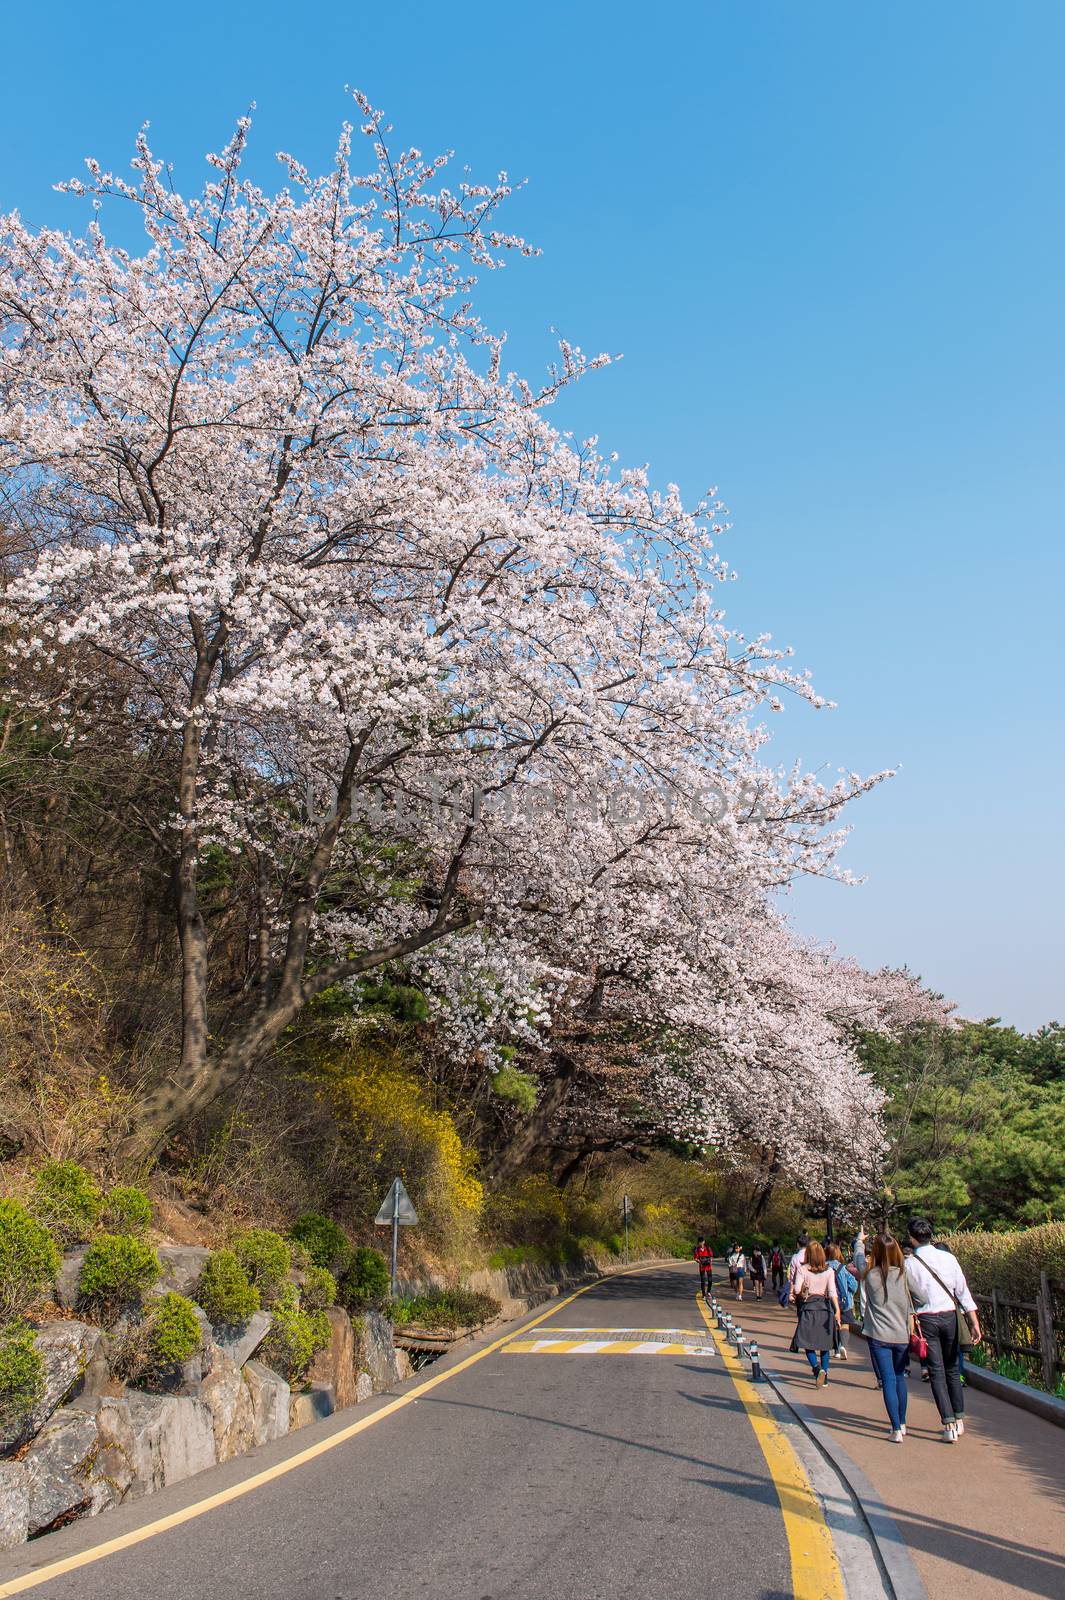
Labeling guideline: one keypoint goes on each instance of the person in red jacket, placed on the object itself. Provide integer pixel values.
(704, 1257)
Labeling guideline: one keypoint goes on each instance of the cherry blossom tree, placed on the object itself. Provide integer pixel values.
(277, 506)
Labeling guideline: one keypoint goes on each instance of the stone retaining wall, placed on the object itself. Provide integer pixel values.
(92, 1442)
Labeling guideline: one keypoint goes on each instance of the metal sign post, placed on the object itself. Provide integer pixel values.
(396, 1211)
(626, 1213)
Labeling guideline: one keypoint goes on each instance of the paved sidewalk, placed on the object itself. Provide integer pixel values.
(984, 1518)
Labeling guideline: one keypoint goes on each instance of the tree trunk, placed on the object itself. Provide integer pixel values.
(766, 1191)
(534, 1130)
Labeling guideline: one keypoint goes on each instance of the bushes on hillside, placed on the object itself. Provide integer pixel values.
(126, 1210)
(225, 1291)
(296, 1336)
(29, 1260)
(265, 1257)
(319, 1289)
(326, 1244)
(117, 1272)
(1012, 1262)
(68, 1199)
(22, 1375)
(387, 1125)
(366, 1282)
(154, 1348)
(444, 1308)
(175, 1331)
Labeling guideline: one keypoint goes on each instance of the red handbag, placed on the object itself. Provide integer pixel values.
(918, 1342)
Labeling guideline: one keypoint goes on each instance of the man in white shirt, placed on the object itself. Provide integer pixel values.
(940, 1293)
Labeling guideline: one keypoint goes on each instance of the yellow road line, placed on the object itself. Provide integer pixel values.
(815, 1570)
(124, 1541)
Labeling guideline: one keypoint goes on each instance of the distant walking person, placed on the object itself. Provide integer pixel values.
(846, 1284)
(737, 1269)
(776, 1267)
(887, 1321)
(813, 1290)
(704, 1257)
(757, 1272)
(948, 1316)
(797, 1259)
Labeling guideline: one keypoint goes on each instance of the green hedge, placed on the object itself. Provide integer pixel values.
(1011, 1262)
(68, 1199)
(29, 1260)
(225, 1291)
(22, 1375)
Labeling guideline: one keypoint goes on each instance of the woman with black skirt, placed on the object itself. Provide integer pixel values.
(814, 1293)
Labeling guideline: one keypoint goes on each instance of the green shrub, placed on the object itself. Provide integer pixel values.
(326, 1244)
(265, 1257)
(295, 1336)
(69, 1199)
(366, 1282)
(175, 1331)
(29, 1260)
(444, 1308)
(117, 1271)
(225, 1291)
(319, 1289)
(22, 1375)
(1011, 1262)
(127, 1210)
(151, 1349)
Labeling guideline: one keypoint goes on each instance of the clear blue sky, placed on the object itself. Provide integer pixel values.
(829, 240)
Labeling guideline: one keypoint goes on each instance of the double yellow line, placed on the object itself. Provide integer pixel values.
(815, 1570)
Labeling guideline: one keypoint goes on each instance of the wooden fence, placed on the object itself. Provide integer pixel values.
(1032, 1331)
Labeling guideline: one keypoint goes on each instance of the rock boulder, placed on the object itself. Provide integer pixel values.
(377, 1353)
(228, 1399)
(270, 1399)
(182, 1265)
(241, 1341)
(336, 1363)
(152, 1440)
(66, 1284)
(14, 1505)
(74, 1362)
(60, 1469)
(311, 1405)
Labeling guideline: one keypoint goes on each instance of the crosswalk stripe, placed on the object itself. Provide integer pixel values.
(613, 1347)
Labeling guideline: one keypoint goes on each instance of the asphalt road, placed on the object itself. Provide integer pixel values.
(598, 1476)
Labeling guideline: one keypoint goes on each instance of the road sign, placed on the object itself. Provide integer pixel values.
(396, 1209)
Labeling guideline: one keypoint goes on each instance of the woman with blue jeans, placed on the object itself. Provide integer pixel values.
(819, 1321)
(888, 1321)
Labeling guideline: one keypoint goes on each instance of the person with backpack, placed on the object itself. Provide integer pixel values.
(776, 1266)
(813, 1291)
(737, 1269)
(888, 1321)
(758, 1272)
(948, 1319)
(846, 1285)
(704, 1259)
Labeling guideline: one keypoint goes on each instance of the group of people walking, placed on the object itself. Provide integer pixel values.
(916, 1305)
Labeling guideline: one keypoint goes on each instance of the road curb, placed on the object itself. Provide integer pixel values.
(891, 1548)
